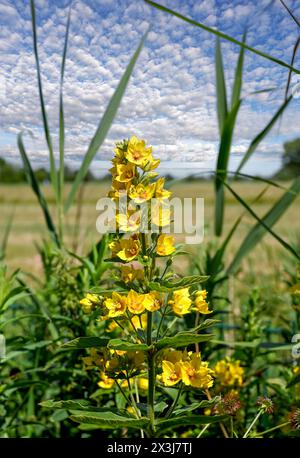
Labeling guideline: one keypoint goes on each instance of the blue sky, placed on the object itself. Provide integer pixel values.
(170, 100)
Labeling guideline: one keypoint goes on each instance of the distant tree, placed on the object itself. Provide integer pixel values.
(291, 160)
(10, 173)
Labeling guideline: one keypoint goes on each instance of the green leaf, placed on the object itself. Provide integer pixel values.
(119, 344)
(206, 324)
(220, 87)
(69, 404)
(222, 35)
(104, 125)
(254, 144)
(109, 420)
(264, 224)
(182, 339)
(165, 285)
(59, 415)
(222, 165)
(197, 405)
(187, 420)
(85, 342)
(53, 173)
(36, 189)
(294, 381)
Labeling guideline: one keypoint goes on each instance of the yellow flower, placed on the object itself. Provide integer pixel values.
(171, 373)
(229, 372)
(200, 302)
(135, 302)
(112, 325)
(129, 249)
(161, 215)
(140, 322)
(116, 305)
(137, 153)
(141, 193)
(181, 301)
(153, 301)
(164, 245)
(150, 164)
(105, 381)
(160, 192)
(124, 172)
(129, 222)
(143, 383)
(129, 274)
(118, 188)
(196, 372)
(89, 302)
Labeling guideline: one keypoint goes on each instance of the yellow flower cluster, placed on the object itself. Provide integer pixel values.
(116, 365)
(186, 367)
(182, 302)
(229, 372)
(130, 156)
(89, 302)
(133, 302)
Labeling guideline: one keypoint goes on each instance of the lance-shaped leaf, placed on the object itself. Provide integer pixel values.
(187, 420)
(110, 420)
(85, 342)
(165, 285)
(182, 339)
(119, 344)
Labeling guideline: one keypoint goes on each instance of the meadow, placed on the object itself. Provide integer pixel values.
(28, 225)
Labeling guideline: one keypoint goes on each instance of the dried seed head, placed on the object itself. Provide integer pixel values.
(294, 419)
(230, 403)
(266, 404)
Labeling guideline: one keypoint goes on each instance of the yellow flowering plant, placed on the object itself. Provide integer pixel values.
(145, 346)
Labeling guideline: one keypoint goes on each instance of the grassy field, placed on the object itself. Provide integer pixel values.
(28, 225)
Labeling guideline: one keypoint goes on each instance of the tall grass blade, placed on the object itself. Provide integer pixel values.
(295, 50)
(264, 224)
(53, 173)
(290, 13)
(222, 35)
(61, 112)
(222, 165)
(238, 79)
(220, 87)
(254, 144)
(4, 241)
(36, 189)
(104, 125)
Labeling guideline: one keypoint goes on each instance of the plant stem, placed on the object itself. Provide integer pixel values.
(253, 423)
(223, 429)
(231, 427)
(203, 430)
(273, 429)
(172, 407)
(151, 376)
(136, 409)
